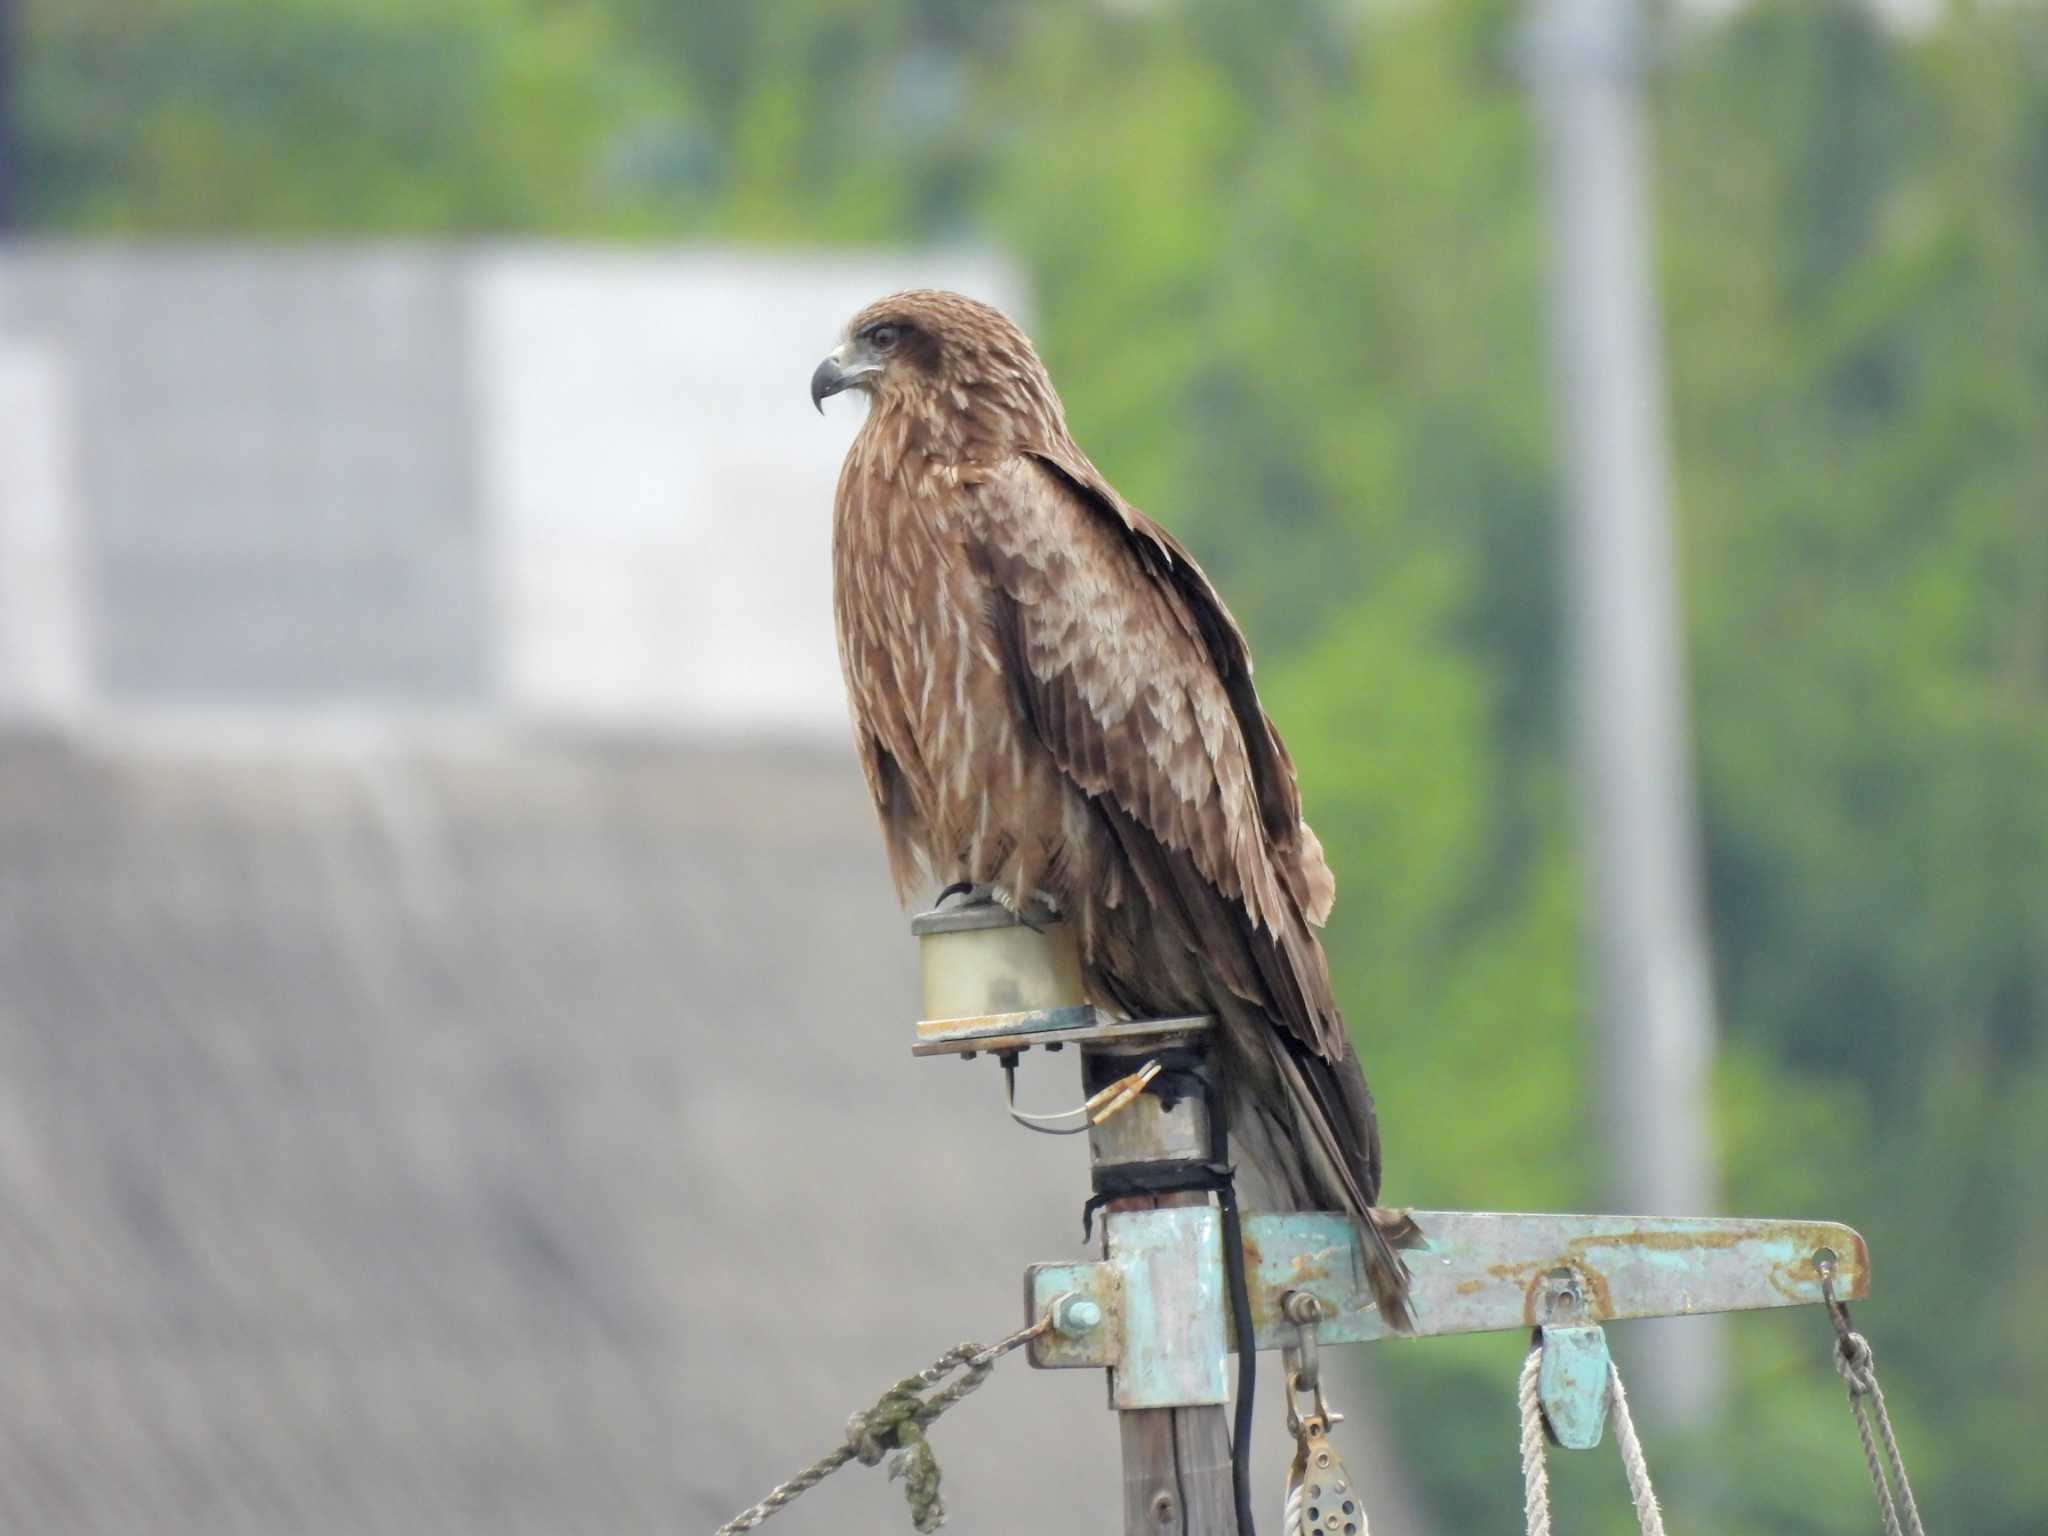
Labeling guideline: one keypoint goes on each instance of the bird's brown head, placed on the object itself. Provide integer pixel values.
(953, 365)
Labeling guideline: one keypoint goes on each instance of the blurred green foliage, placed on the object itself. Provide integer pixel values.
(1289, 262)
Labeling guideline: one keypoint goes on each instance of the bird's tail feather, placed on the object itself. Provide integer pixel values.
(1335, 1129)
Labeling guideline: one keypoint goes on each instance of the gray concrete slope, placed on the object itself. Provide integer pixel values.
(490, 1136)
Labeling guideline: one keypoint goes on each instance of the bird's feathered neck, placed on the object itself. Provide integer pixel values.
(976, 400)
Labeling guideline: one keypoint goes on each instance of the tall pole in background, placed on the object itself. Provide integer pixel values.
(1654, 1029)
(9, 164)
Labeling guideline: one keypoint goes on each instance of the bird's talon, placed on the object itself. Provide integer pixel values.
(1017, 909)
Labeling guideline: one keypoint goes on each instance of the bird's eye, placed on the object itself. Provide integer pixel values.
(883, 337)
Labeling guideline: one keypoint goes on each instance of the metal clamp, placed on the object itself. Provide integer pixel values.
(1572, 1378)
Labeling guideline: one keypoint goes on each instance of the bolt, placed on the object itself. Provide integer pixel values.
(1076, 1314)
(1302, 1307)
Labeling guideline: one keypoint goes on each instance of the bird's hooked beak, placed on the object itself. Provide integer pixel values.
(844, 367)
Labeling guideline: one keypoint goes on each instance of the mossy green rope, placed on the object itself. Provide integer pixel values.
(897, 1423)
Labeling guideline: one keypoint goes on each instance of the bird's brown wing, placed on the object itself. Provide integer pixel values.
(1138, 681)
(1167, 562)
(1134, 676)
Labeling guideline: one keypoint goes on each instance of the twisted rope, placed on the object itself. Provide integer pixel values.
(1648, 1515)
(1536, 1471)
(1857, 1366)
(897, 1423)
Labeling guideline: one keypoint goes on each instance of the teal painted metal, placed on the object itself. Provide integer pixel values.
(1476, 1273)
(1572, 1383)
(1171, 1351)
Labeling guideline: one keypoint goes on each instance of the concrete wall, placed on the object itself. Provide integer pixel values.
(562, 483)
(271, 466)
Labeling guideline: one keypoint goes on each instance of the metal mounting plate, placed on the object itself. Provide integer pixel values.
(1572, 1383)
(1001, 1032)
(1477, 1272)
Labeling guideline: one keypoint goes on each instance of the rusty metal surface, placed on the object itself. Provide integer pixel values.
(1045, 1284)
(981, 1032)
(1486, 1271)
(1000, 1032)
(1482, 1271)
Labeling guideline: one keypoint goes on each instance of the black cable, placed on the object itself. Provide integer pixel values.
(1247, 1357)
(1240, 1307)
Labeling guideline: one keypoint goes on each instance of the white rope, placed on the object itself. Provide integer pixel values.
(1858, 1368)
(1535, 1472)
(1648, 1515)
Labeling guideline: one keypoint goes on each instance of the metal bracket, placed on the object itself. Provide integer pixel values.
(1572, 1383)
(1159, 1309)
(1001, 1033)
(1476, 1272)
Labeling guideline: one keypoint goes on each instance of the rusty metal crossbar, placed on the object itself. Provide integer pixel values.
(1159, 1319)
(1154, 1312)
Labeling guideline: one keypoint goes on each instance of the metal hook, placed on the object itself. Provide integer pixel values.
(1838, 1310)
(1304, 1367)
(1852, 1350)
(1302, 1309)
(1321, 1497)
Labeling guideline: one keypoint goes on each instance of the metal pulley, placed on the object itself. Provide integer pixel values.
(1322, 1499)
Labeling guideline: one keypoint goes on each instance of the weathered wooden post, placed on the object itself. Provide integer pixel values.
(994, 985)
(1176, 1458)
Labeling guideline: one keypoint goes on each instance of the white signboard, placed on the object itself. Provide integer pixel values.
(42, 660)
(656, 487)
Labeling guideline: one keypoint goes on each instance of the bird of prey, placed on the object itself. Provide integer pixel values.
(1051, 702)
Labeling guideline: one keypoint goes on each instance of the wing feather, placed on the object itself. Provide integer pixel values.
(1137, 680)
